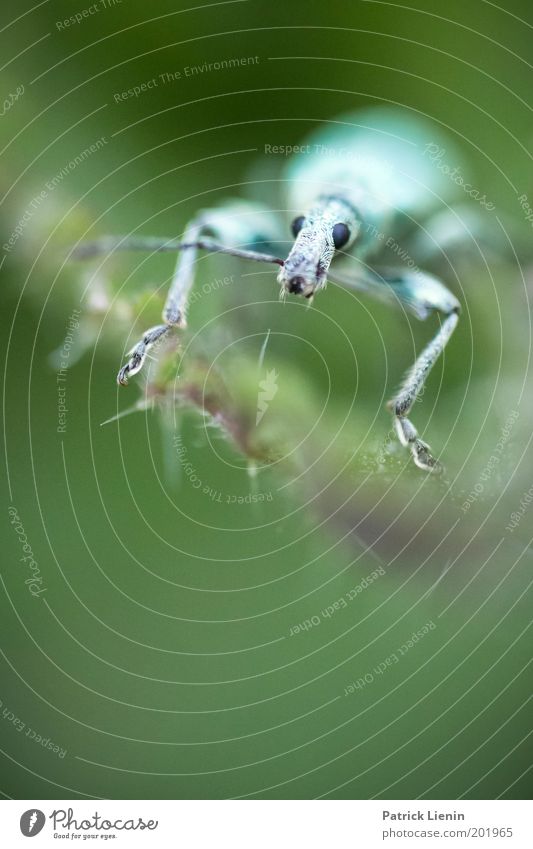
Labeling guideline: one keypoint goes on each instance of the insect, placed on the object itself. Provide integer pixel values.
(359, 185)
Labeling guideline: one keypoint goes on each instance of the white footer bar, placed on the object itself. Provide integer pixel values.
(268, 824)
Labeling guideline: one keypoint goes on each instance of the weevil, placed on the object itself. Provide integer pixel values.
(360, 186)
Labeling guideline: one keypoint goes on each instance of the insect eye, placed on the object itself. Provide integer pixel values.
(341, 234)
(297, 225)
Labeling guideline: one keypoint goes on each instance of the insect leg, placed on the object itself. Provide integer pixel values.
(422, 294)
(174, 309)
(410, 389)
(183, 278)
(157, 244)
(176, 302)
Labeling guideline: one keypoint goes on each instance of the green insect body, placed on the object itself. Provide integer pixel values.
(361, 187)
(375, 164)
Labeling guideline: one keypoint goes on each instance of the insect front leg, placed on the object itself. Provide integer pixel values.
(235, 223)
(422, 294)
(175, 304)
(409, 391)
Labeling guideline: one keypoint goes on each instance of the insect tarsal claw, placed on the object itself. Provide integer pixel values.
(423, 457)
(122, 376)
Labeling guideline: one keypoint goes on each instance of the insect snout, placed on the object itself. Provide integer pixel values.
(298, 283)
(296, 286)
(303, 272)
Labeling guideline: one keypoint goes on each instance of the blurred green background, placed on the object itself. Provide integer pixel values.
(160, 656)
